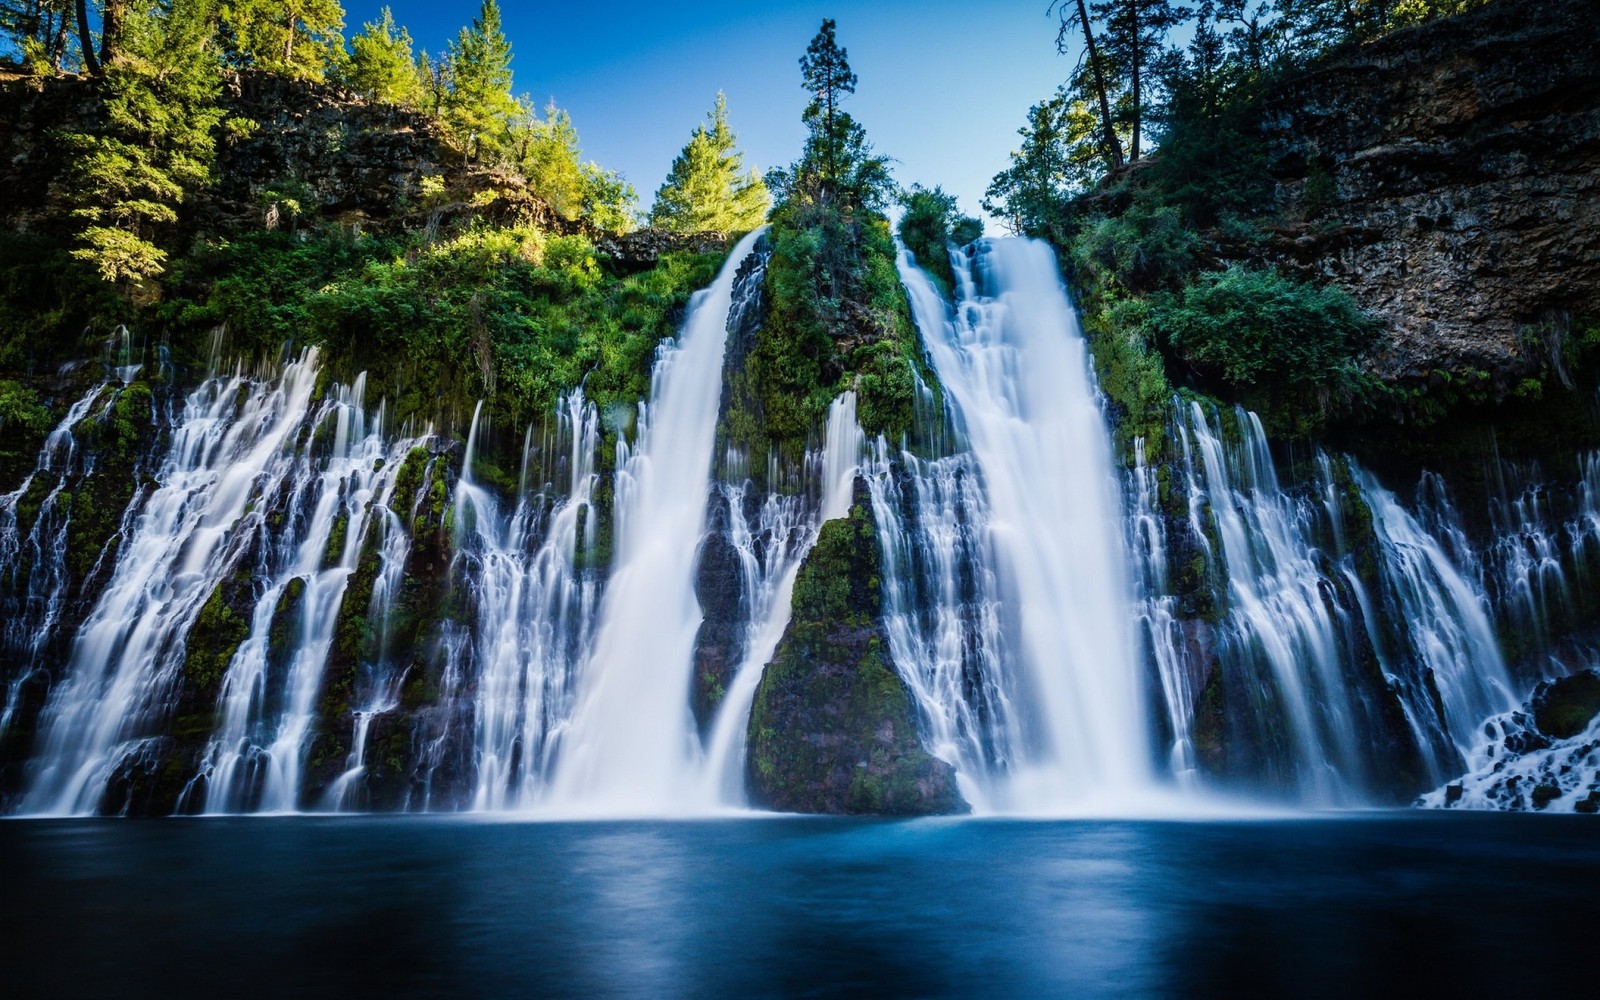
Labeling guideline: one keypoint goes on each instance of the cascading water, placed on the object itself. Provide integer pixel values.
(535, 607)
(631, 745)
(770, 552)
(33, 600)
(269, 694)
(1016, 371)
(941, 614)
(231, 450)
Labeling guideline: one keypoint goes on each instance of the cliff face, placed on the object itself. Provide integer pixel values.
(1449, 178)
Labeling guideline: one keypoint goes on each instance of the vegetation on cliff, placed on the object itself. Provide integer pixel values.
(1172, 251)
(836, 316)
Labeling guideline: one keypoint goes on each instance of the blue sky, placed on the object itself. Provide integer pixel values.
(944, 85)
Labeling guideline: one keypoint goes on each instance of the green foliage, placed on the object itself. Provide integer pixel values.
(298, 38)
(516, 315)
(930, 224)
(160, 105)
(708, 188)
(1289, 349)
(547, 152)
(24, 422)
(1059, 157)
(40, 31)
(837, 166)
(479, 108)
(1146, 249)
(381, 64)
(836, 315)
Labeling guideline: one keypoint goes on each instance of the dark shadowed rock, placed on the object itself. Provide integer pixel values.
(1564, 708)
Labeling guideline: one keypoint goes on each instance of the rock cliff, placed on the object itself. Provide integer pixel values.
(1448, 177)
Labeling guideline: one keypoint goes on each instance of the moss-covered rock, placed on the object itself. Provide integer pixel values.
(833, 728)
(1564, 708)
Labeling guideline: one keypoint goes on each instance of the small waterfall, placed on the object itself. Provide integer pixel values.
(231, 450)
(377, 689)
(1445, 618)
(1284, 612)
(770, 552)
(1161, 629)
(535, 606)
(1016, 370)
(32, 601)
(270, 691)
(941, 613)
(631, 744)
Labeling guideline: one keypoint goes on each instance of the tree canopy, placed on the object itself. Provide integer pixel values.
(381, 64)
(708, 187)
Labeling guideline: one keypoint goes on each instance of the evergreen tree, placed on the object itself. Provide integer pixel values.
(1091, 75)
(609, 201)
(825, 71)
(548, 155)
(1060, 156)
(1135, 34)
(299, 38)
(39, 32)
(479, 108)
(708, 187)
(381, 64)
(161, 98)
(837, 163)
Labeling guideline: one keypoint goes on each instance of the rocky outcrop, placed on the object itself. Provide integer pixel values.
(642, 249)
(1448, 177)
(833, 729)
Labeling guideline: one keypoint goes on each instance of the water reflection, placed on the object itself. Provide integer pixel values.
(453, 907)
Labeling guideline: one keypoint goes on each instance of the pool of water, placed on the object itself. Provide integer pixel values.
(355, 907)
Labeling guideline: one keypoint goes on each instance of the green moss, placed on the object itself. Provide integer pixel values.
(836, 318)
(211, 643)
(833, 727)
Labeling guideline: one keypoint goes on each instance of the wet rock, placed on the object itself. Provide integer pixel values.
(833, 729)
(1564, 708)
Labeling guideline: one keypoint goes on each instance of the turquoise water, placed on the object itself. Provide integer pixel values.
(384, 906)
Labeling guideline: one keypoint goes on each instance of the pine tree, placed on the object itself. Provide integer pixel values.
(299, 38)
(161, 96)
(39, 31)
(825, 71)
(837, 163)
(1135, 33)
(381, 64)
(1091, 78)
(479, 108)
(708, 187)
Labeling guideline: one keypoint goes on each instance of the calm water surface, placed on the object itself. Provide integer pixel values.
(355, 907)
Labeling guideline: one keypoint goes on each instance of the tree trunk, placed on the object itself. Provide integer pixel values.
(1136, 50)
(111, 18)
(91, 65)
(1112, 143)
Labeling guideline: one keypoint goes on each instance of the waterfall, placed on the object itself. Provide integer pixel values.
(535, 606)
(770, 551)
(32, 601)
(232, 449)
(269, 693)
(1016, 371)
(631, 743)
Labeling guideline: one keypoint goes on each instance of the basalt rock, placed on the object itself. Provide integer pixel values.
(1564, 708)
(1448, 177)
(833, 729)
